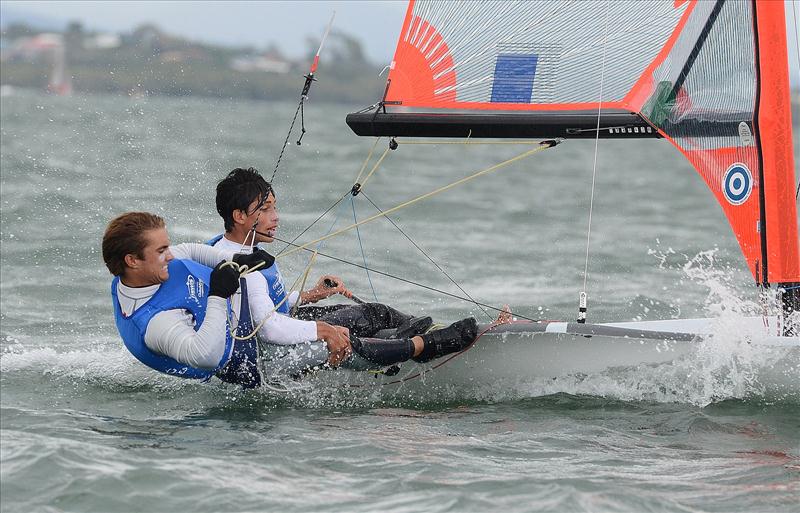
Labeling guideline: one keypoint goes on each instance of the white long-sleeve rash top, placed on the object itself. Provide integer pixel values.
(234, 247)
(172, 332)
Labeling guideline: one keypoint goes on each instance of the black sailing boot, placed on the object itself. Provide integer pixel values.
(456, 337)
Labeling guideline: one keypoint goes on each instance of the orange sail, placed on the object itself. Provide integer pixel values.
(709, 76)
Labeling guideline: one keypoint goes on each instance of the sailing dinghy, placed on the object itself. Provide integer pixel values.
(710, 77)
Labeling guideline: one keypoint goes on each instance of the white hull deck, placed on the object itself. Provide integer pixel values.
(524, 350)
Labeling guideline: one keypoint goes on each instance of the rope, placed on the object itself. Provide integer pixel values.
(315, 222)
(363, 167)
(308, 270)
(429, 258)
(410, 282)
(286, 142)
(320, 245)
(596, 146)
(410, 202)
(366, 161)
(374, 168)
(243, 271)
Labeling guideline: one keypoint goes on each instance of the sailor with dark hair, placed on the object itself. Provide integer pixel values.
(246, 202)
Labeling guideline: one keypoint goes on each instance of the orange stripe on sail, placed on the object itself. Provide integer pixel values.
(775, 132)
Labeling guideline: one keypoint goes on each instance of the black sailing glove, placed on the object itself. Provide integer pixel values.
(224, 281)
(255, 258)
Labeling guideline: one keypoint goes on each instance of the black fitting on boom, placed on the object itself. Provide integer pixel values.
(356, 189)
(307, 86)
(551, 142)
(392, 144)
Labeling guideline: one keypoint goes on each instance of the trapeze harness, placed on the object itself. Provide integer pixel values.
(276, 289)
(187, 289)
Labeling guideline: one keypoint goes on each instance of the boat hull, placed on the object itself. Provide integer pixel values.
(508, 355)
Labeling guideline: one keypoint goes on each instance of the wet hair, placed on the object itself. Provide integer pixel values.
(125, 235)
(238, 190)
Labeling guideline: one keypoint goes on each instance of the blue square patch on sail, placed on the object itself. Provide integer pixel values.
(513, 77)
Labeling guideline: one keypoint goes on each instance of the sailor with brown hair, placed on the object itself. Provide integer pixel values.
(172, 309)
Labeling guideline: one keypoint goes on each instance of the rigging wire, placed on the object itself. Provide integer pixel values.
(286, 141)
(313, 223)
(311, 260)
(583, 295)
(542, 146)
(357, 188)
(429, 257)
(405, 280)
(361, 246)
(363, 166)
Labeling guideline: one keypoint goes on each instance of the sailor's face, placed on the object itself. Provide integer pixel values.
(152, 267)
(266, 218)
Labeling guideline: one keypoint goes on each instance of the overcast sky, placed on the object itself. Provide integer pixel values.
(375, 23)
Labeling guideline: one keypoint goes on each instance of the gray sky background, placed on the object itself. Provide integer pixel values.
(375, 23)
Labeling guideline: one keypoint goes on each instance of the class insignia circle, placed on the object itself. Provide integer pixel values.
(737, 184)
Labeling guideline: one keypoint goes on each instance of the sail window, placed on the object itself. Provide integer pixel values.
(513, 78)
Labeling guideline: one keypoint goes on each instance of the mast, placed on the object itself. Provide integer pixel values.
(773, 123)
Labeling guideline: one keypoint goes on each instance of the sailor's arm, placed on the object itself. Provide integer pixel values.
(326, 286)
(277, 328)
(200, 253)
(210, 256)
(172, 334)
(284, 330)
(293, 298)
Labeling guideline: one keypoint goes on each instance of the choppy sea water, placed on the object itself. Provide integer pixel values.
(83, 427)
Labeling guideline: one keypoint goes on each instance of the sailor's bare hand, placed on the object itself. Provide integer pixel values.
(505, 315)
(337, 339)
(333, 285)
(327, 286)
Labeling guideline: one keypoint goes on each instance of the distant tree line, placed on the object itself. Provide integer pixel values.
(149, 61)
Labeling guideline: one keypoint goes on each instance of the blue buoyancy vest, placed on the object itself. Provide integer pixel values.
(187, 289)
(277, 290)
(242, 368)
